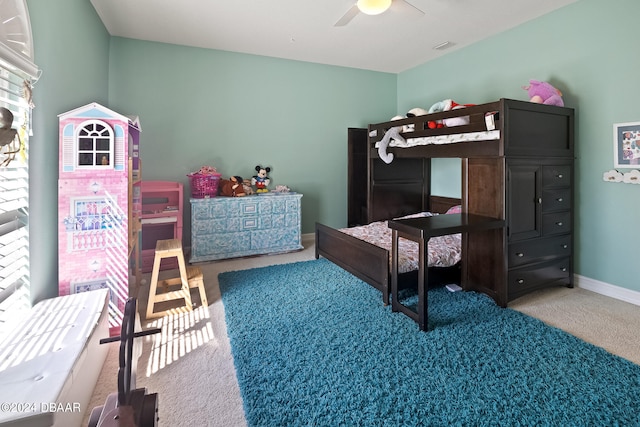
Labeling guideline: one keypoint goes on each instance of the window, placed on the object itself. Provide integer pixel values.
(17, 73)
(14, 203)
(94, 145)
(95, 213)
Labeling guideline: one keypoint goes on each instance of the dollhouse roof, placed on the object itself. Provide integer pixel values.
(97, 111)
(135, 122)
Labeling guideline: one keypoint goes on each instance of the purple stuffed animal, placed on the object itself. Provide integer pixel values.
(543, 93)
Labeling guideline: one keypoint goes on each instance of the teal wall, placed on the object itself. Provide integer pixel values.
(71, 47)
(590, 51)
(235, 111)
(197, 107)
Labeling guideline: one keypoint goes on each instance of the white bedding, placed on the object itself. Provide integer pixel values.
(393, 139)
(445, 139)
(443, 251)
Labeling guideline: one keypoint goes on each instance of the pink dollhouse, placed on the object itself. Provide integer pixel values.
(98, 164)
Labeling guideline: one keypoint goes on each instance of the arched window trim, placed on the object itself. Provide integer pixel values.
(16, 46)
(84, 126)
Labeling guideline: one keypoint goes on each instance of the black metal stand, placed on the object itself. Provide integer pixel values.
(129, 407)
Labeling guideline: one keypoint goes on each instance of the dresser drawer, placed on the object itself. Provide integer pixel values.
(525, 279)
(536, 250)
(556, 175)
(556, 199)
(223, 243)
(284, 239)
(249, 222)
(234, 207)
(556, 223)
(228, 227)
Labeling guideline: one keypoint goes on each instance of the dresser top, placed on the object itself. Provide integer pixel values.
(252, 197)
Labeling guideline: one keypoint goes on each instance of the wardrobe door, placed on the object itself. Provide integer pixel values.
(524, 183)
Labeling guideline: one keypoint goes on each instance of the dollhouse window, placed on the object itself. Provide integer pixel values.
(94, 145)
(95, 213)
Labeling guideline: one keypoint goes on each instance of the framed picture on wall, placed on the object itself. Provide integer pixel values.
(626, 145)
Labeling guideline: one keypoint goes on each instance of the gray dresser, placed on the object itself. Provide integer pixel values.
(229, 227)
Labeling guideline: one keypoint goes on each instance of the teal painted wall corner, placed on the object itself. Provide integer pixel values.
(71, 47)
(595, 70)
(235, 111)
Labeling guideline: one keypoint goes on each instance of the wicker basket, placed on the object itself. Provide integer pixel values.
(204, 186)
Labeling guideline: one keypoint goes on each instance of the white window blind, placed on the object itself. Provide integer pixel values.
(14, 204)
(16, 73)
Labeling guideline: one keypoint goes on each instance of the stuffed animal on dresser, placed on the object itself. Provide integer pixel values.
(261, 180)
(232, 187)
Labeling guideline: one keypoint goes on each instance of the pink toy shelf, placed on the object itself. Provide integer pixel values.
(161, 219)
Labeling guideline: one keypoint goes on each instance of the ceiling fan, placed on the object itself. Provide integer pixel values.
(375, 7)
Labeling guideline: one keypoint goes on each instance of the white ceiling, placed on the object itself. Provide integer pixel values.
(304, 30)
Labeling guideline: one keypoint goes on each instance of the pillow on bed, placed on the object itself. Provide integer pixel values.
(455, 209)
(416, 215)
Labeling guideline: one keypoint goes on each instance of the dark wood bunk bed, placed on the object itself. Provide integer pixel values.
(525, 177)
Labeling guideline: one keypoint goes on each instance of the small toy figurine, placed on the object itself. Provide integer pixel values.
(261, 180)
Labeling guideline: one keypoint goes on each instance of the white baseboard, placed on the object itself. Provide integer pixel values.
(309, 238)
(583, 282)
(607, 289)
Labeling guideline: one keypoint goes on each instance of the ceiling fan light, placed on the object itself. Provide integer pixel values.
(373, 7)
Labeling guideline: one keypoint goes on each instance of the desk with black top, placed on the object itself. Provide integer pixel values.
(420, 230)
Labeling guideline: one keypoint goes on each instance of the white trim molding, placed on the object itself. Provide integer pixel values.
(308, 239)
(607, 289)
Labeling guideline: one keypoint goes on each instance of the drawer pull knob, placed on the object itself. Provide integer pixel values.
(539, 200)
(560, 176)
(563, 269)
(560, 199)
(520, 281)
(565, 246)
(519, 254)
(559, 224)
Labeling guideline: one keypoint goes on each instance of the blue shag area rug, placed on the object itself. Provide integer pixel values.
(314, 346)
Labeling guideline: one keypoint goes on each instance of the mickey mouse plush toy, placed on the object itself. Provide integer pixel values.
(261, 180)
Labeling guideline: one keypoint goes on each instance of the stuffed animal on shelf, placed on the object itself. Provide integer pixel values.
(447, 105)
(261, 180)
(411, 113)
(543, 93)
(232, 187)
(394, 133)
(414, 112)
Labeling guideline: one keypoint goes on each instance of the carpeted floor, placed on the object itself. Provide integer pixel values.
(323, 352)
(198, 386)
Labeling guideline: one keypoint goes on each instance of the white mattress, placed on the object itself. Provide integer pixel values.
(445, 139)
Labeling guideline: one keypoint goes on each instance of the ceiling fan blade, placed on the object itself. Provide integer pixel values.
(347, 17)
(406, 6)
